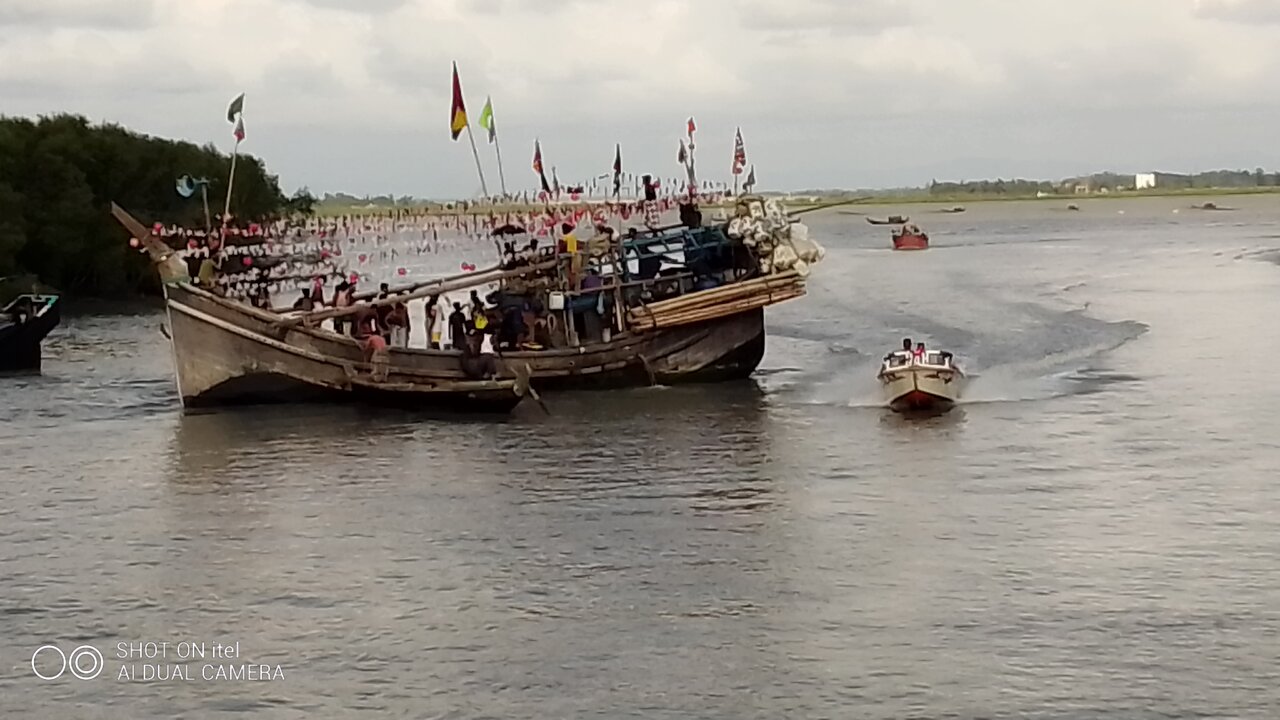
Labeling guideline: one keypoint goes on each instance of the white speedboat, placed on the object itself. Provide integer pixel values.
(915, 382)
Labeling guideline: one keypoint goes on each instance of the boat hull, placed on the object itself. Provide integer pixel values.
(911, 241)
(718, 350)
(218, 363)
(918, 389)
(20, 350)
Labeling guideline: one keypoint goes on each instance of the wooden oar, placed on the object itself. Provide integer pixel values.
(528, 387)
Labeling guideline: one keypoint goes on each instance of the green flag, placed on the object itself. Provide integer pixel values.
(236, 107)
(486, 120)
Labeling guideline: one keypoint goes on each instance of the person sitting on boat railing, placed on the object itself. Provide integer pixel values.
(368, 332)
(317, 292)
(477, 364)
(305, 303)
(918, 354)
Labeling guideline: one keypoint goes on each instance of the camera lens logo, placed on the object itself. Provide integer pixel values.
(85, 662)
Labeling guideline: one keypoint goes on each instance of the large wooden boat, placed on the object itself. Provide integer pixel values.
(700, 320)
(24, 324)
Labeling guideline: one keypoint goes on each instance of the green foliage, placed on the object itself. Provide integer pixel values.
(59, 176)
(302, 204)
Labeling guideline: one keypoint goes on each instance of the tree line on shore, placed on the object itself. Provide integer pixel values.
(1214, 179)
(60, 174)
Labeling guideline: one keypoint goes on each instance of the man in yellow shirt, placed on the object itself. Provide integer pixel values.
(570, 242)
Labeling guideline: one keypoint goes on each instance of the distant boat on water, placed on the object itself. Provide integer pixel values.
(24, 323)
(891, 220)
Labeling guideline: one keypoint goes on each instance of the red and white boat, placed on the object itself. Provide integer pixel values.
(921, 382)
(910, 237)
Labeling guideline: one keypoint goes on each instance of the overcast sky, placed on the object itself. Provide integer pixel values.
(353, 95)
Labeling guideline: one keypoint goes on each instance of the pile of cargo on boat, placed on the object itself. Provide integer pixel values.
(782, 252)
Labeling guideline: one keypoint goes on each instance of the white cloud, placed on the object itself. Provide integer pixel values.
(354, 94)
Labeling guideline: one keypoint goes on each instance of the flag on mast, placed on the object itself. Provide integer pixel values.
(236, 107)
(683, 157)
(739, 153)
(458, 116)
(751, 179)
(537, 166)
(486, 120)
(617, 170)
(235, 114)
(692, 127)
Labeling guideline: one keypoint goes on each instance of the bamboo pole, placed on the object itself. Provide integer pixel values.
(724, 300)
(649, 317)
(722, 293)
(718, 311)
(726, 291)
(476, 154)
(425, 290)
(414, 286)
(704, 314)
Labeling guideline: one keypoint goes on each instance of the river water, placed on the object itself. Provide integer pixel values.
(1095, 532)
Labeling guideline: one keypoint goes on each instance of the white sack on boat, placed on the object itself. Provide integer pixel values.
(784, 257)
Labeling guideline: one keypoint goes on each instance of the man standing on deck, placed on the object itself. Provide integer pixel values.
(457, 327)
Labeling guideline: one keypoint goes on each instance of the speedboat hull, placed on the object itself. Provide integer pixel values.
(910, 241)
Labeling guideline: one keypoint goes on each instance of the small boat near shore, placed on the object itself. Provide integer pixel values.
(24, 324)
(921, 382)
(910, 237)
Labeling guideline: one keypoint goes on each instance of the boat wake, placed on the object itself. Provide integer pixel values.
(1037, 354)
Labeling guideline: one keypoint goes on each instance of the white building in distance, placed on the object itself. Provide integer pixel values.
(1142, 181)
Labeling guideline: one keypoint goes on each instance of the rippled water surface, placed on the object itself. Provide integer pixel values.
(1094, 533)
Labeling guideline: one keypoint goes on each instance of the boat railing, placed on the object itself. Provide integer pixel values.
(941, 360)
(40, 304)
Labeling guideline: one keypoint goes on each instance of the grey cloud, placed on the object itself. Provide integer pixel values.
(304, 78)
(1241, 11)
(107, 14)
(845, 16)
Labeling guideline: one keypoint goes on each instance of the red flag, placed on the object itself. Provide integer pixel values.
(458, 115)
(692, 127)
(239, 131)
(739, 153)
(537, 166)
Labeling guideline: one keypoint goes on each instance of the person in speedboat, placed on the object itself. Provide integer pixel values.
(904, 354)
